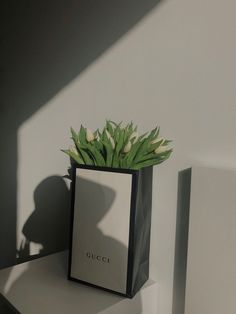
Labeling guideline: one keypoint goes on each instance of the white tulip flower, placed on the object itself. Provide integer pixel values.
(112, 143)
(108, 134)
(89, 135)
(135, 136)
(127, 147)
(162, 149)
(110, 139)
(157, 140)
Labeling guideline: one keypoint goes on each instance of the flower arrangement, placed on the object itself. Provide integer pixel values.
(118, 147)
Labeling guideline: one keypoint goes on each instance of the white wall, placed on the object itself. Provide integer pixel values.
(175, 68)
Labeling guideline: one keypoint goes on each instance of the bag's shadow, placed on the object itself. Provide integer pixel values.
(48, 225)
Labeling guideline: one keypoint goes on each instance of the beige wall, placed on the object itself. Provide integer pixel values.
(175, 68)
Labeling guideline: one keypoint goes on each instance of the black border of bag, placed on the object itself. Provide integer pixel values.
(139, 230)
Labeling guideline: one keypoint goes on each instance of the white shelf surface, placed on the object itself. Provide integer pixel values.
(41, 287)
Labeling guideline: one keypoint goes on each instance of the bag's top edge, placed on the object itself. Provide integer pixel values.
(109, 169)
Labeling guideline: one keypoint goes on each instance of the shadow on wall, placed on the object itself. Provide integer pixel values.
(181, 241)
(43, 47)
(48, 225)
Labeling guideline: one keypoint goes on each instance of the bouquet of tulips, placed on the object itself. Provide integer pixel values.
(118, 147)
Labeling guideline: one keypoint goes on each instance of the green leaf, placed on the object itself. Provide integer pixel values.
(146, 163)
(115, 124)
(109, 128)
(98, 145)
(146, 157)
(109, 150)
(87, 159)
(127, 134)
(165, 154)
(74, 134)
(116, 134)
(155, 160)
(142, 136)
(123, 163)
(96, 133)
(120, 142)
(97, 156)
(145, 146)
(132, 153)
(82, 135)
(115, 161)
(153, 134)
(74, 156)
(142, 149)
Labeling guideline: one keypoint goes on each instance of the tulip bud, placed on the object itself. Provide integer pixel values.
(127, 147)
(135, 136)
(157, 140)
(108, 134)
(110, 139)
(89, 135)
(162, 149)
(112, 142)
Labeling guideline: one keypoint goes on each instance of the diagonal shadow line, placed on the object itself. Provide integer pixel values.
(44, 46)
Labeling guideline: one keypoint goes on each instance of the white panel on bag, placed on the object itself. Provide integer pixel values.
(101, 228)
